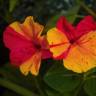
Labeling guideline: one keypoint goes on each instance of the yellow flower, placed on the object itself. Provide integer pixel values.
(75, 45)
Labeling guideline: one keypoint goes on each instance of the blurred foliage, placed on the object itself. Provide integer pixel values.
(54, 80)
(12, 4)
(60, 79)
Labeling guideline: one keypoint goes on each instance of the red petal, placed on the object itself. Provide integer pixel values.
(13, 39)
(19, 55)
(46, 54)
(86, 25)
(66, 28)
(21, 48)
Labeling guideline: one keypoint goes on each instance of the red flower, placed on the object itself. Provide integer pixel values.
(27, 46)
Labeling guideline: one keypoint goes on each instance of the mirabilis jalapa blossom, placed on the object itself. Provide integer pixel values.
(27, 46)
(75, 45)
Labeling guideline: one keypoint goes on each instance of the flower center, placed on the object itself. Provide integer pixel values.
(38, 46)
(72, 41)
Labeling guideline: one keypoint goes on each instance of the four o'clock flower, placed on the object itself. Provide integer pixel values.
(27, 46)
(75, 45)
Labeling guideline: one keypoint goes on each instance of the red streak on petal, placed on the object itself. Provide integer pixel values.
(25, 31)
(54, 45)
(64, 54)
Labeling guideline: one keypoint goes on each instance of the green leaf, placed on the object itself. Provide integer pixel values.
(52, 93)
(72, 13)
(90, 86)
(61, 79)
(12, 4)
(91, 72)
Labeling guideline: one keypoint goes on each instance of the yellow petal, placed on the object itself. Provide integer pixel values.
(38, 29)
(17, 27)
(32, 65)
(82, 57)
(29, 28)
(25, 67)
(36, 64)
(33, 28)
(58, 41)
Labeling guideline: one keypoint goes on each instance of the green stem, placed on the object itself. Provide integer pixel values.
(38, 87)
(87, 8)
(79, 89)
(16, 88)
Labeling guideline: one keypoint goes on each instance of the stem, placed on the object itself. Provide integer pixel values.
(38, 87)
(80, 85)
(87, 8)
(16, 88)
(78, 89)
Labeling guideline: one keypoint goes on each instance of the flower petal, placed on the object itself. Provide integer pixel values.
(82, 57)
(33, 28)
(21, 54)
(45, 47)
(32, 65)
(36, 64)
(38, 29)
(66, 28)
(46, 54)
(19, 28)
(43, 42)
(86, 25)
(13, 40)
(25, 67)
(29, 28)
(88, 43)
(58, 42)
